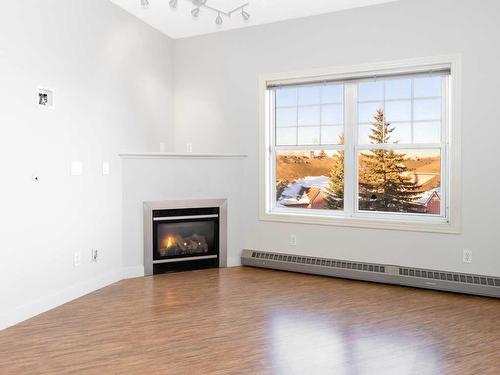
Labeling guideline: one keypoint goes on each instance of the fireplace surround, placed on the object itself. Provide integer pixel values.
(184, 235)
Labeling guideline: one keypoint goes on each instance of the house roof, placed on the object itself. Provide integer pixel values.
(427, 196)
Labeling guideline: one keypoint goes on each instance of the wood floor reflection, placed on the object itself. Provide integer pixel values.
(252, 321)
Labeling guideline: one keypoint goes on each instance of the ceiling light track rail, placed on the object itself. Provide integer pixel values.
(203, 4)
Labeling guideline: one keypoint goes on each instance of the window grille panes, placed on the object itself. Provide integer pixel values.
(389, 132)
(413, 107)
(313, 114)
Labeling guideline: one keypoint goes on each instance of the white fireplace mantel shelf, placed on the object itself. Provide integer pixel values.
(170, 155)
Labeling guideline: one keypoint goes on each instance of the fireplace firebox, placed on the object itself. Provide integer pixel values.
(185, 239)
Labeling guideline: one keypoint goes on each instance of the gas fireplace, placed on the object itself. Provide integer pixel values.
(179, 239)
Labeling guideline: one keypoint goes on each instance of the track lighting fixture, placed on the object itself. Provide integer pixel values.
(218, 20)
(195, 12)
(198, 4)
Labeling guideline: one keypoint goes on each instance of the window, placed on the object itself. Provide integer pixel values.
(364, 148)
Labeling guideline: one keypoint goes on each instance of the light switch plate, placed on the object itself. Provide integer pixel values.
(77, 259)
(76, 168)
(105, 168)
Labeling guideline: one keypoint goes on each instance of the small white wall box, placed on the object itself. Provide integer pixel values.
(76, 168)
(105, 168)
(45, 98)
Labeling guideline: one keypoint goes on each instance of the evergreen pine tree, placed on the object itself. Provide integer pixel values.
(384, 183)
(335, 189)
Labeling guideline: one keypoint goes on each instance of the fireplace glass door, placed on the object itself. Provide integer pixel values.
(185, 238)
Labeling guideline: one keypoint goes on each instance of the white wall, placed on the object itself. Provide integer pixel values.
(112, 79)
(216, 108)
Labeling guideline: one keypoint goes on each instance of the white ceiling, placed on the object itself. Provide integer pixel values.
(178, 23)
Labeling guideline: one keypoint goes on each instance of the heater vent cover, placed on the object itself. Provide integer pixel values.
(381, 273)
(449, 276)
(323, 262)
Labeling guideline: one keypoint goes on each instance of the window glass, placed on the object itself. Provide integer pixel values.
(426, 87)
(286, 117)
(371, 91)
(309, 95)
(398, 89)
(400, 181)
(332, 93)
(309, 116)
(305, 179)
(286, 136)
(286, 97)
(332, 114)
(427, 109)
(395, 152)
(308, 135)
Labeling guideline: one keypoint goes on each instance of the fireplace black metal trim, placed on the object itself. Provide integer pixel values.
(181, 206)
(185, 215)
(175, 218)
(174, 260)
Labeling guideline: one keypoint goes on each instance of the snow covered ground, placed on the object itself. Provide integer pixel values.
(296, 192)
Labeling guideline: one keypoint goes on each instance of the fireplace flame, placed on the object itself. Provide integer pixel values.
(169, 242)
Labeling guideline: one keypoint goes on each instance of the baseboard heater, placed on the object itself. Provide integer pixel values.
(382, 273)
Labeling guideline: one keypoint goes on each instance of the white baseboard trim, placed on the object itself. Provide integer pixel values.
(234, 261)
(132, 272)
(18, 314)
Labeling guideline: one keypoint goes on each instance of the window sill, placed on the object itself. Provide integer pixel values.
(439, 225)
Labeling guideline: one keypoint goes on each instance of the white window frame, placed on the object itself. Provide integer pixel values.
(450, 219)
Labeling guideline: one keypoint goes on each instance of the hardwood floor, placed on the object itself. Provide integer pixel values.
(253, 321)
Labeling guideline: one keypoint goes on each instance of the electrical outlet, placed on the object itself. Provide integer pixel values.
(467, 256)
(77, 259)
(293, 240)
(189, 147)
(94, 255)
